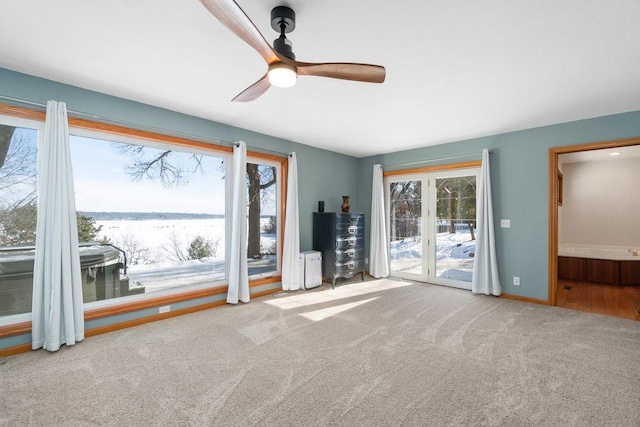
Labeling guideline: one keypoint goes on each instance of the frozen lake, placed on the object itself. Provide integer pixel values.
(150, 246)
(155, 234)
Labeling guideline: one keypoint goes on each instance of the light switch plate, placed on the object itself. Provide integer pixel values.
(505, 223)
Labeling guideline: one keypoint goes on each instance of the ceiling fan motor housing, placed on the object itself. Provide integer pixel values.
(283, 20)
(284, 46)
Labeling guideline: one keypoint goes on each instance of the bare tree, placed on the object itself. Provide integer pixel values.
(163, 166)
(456, 201)
(406, 209)
(6, 134)
(18, 190)
(175, 248)
(158, 165)
(214, 245)
(260, 179)
(18, 168)
(199, 247)
(136, 252)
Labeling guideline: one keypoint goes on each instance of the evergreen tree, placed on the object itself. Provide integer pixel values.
(200, 247)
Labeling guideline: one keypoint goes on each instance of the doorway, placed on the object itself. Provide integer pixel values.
(581, 274)
(432, 220)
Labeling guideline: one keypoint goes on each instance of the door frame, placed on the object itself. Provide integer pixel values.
(432, 204)
(555, 193)
(430, 170)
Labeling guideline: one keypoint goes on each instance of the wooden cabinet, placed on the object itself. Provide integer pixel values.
(630, 273)
(603, 271)
(570, 268)
(340, 238)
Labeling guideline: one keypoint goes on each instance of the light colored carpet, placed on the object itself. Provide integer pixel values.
(375, 353)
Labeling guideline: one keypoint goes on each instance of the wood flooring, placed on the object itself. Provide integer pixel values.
(610, 300)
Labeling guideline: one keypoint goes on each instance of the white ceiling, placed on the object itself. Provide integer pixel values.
(602, 155)
(455, 69)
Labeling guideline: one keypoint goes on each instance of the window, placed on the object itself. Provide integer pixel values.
(151, 213)
(262, 219)
(405, 216)
(18, 212)
(151, 218)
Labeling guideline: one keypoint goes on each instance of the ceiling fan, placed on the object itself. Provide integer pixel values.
(283, 67)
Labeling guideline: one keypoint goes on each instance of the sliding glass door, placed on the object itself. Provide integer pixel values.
(432, 219)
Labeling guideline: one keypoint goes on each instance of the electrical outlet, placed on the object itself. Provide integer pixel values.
(164, 309)
(516, 281)
(505, 223)
(366, 260)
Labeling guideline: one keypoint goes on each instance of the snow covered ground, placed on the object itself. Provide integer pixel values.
(159, 270)
(155, 234)
(454, 255)
(168, 275)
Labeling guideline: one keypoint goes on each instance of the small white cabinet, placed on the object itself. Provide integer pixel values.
(310, 269)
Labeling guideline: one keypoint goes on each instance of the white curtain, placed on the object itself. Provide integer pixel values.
(291, 246)
(485, 267)
(378, 252)
(237, 260)
(57, 314)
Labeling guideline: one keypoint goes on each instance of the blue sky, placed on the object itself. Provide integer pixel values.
(102, 184)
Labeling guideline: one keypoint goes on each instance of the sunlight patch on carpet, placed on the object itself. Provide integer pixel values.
(325, 313)
(344, 291)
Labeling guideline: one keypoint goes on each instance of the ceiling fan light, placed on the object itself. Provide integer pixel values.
(282, 75)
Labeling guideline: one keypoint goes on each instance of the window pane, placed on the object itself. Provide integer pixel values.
(18, 211)
(455, 234)
(405, 202)
(262, 245)
(149, 219)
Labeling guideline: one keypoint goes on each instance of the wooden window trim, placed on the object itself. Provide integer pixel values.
(450, 166)
(74, 122)
(23, 113)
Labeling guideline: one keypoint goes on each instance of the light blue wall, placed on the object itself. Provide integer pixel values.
(519, 175)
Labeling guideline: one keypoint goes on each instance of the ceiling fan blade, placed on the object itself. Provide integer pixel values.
(233, 17)
(342, 70)
(254, 91)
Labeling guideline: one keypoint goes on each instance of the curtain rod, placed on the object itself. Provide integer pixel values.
(263, 150)
(140, 127)
(103, 119)
(435, 160)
